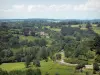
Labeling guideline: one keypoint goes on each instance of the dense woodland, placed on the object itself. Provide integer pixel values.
(33, 40)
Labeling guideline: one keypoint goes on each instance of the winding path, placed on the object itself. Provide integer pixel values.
(68, 64)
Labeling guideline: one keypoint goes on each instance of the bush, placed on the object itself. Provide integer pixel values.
(90, 55)
(80, 66)
(20, 72)
(36, 63)
(30, 72)
(38, 72)
(27, 61)
(46, 60)
(95, 66)
(87, 73)
(3, 72)
(97, 59)
(57, 74)
(58, 56)
(46, 73)
(16, 72)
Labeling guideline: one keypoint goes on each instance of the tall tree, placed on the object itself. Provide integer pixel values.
(27, 61)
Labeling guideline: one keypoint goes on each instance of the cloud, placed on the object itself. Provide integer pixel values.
(18, 6)
(90, 6)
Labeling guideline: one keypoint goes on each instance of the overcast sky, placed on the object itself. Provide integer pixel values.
(62, 9)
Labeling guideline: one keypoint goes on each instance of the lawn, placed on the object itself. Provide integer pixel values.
(12, 66)
(29, 38)
(50, 67)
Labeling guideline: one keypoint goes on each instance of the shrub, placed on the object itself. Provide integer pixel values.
(87, 73)
(57, 74)
(46, 73)
(16, 72)
(79, 67)
(38, 72)
(36, 63)
(30, 72)
(58, 56)
(46, 60)
(3, 72)
(97, 59)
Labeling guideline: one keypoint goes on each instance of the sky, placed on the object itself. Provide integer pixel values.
(52, 9)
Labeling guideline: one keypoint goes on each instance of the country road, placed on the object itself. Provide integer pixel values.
(69, 64)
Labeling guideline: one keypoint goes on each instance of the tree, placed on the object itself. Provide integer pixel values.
(58, 56)
(96, 44)
(4, 39)
(95, 67)
(14, 41)
(81, 50)
(97, 59)
(67, 50)
(43, 53)
(40, 42)
(88, 26)
(18, 56)
(98, 25)
(27, 61)
(80, 26)
(0, 61)
(36, 63)
(79, 67)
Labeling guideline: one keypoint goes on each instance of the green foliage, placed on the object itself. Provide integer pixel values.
(58, 56)
(43, 53)
(30, 72)
(3, 72)
(88, 25)
(80, 66)
(38, 72)
(68, 30)
(97, 44)
(40, 42)
(97, 59)
(4, 39)
(90, 55)
(27, 61)
(36, 63)
(96, 66)
(75, 61)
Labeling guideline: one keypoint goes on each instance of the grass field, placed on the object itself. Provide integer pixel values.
(29, 38)
(54, 29)
(50, 67)
(96, 29)
(12, 66)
